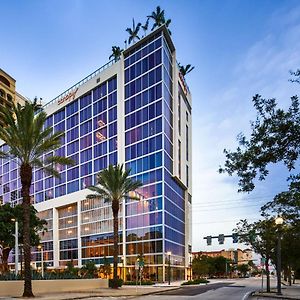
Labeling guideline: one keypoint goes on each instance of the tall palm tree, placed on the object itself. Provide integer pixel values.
(185, 69)
(114, 185)
(159, 19)
(116, 53)
(28, 141)
(133, 32)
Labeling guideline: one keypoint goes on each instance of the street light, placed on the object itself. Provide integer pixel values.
(42, 258)
(279, 222)
(169, 253)
(16, 246)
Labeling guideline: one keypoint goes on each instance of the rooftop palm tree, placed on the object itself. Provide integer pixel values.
(116, 53)
(185, 69)
(114, 185)
(27, 141)
(159, 19)
(145, 27)
(133, 32)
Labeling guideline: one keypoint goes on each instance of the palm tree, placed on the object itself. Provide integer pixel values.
(28, 141)
(116, 53)
(145, 26)
(159, 19)
(114, 185)
(185, 70)
(133, 32)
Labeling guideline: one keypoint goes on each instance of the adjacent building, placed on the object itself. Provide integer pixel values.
(238, 256)
(135, 111)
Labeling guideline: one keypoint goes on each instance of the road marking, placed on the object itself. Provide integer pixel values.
(246, 295)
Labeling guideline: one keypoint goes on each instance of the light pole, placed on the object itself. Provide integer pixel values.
(279, 222)
(16, 246)
(169, 266)
(42, 258)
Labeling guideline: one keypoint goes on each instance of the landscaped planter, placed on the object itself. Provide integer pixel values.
(14, 288)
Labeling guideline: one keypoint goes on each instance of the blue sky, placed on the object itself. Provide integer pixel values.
(238, 48)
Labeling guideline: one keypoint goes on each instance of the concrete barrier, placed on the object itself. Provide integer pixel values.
(14, 288)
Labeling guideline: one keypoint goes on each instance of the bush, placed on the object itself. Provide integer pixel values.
(146, 282)
(196, 281)
(115, 283)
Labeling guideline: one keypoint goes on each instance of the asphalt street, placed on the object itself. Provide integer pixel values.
(224, 290)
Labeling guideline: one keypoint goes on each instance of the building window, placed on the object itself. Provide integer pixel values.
(179, 114)
(179, 158)
(187, 176)
(187, 142)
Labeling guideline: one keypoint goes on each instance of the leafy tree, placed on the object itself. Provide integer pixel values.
(116, 53)
(201, 266)
(27, 141)
(184, 70)
(114, 185)
(243, 269)
(133, 32)
(261, 235)
(7, 230)
(159, 19)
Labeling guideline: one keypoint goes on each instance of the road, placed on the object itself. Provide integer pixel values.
(224, 290)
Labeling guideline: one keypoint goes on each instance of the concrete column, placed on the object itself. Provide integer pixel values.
(55, 239)
(79, 233)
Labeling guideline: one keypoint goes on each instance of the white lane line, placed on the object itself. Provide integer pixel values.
(246, 295)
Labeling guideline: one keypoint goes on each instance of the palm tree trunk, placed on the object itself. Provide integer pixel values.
(26, 177)
(5, 255)
(115, 208)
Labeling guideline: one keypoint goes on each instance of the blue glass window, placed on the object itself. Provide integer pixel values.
(86, 155)
(99, 91)
(86, 127)
(86, 169)
(100, 121)
(72, 121)
(72, 108)
(100, 106)
(73, 186)
(100, 149)
(59, 127)
(113, 129)
(86, 113)
(112, 84)
(60, 191)
(113, 144)
(86, 141)
(100, 164)
(113, 158)
(73, 147)
(59, 116)
(73, 134)
(112, 99)
(85, 100)
(73, 173)
(61, 179)
(112, 114)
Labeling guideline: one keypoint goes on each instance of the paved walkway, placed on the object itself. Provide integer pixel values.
(125, 291)
(288, 292)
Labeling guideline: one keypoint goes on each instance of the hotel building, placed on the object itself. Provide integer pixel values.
(135, 111)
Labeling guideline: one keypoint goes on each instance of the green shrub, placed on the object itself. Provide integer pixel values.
(196, 281)
(146, 282)
(115, 283)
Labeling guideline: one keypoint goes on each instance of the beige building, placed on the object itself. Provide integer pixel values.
(240, 256)
(8, 94)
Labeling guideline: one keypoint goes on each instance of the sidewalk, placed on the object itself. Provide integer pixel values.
(124, 291)
(288, 292)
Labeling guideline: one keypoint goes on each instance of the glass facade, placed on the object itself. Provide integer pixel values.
(154, 146)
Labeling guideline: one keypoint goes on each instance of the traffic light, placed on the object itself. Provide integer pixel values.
(221, 239)
(208, 240)
(235, 238)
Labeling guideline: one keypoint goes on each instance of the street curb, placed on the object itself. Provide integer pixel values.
(282, 297)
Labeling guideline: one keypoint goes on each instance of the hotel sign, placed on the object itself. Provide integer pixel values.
(68, 97)
(183, 84)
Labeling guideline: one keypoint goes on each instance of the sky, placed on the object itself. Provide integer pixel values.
(238, 48)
